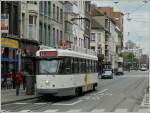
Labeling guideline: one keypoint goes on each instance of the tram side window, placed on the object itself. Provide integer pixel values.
(92, 66)
(79, 63)
(95, 66)
(72, 66)
(83, 66)
(76, 65)
(67, 65)
(87, 66)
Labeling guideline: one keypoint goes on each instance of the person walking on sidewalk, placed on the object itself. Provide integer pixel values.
(9, 79)
(18, 82)
(25, 74)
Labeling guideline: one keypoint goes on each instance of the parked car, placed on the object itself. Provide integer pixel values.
(143, 69)
(107, 74)
(120, 71)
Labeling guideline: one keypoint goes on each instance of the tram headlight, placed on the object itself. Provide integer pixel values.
(47, 82)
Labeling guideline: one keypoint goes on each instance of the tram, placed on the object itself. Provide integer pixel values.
(62, 72)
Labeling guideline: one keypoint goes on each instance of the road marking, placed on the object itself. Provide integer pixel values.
(145, 102)
(40, 103)
(25, 111)
(51, 110)
(98, 110)
(74, 110)
(4, 111)
(68, 104)
(121, 110)
(143, 110)
(100, 92)
(20, 103)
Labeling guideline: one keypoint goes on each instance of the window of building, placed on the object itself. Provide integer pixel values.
(49, 8)
(57, 36)
(40, 32)
(53, 11)
(54, 36)
(61, 35)
(61, 15)
(93, 48)
(45, 7)
(93, 37)
(32, 26)
(99, 37)
(30, 19)
(57, 13)
(45, 32)
(49, 35)
(41, 7)
(23, 25)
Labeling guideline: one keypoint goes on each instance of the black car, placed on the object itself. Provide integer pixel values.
(120, 71)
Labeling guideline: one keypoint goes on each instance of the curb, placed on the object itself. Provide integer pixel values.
(8, 102)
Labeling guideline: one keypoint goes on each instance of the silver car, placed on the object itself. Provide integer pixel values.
(107, 74)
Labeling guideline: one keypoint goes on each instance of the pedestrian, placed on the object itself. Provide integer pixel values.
(25, 74)
(9, 76)
(18, 82)
(14, 79)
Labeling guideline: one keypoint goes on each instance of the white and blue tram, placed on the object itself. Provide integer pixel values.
(65, 73)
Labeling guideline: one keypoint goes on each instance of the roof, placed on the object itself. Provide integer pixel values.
(69, 53)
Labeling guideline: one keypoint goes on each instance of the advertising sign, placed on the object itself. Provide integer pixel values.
(4, 23)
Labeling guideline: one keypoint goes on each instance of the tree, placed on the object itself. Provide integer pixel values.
(131, 57)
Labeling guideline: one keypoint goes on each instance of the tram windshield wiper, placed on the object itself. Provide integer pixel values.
(46, 71)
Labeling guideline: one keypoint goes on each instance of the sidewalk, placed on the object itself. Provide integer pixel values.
(9, 96)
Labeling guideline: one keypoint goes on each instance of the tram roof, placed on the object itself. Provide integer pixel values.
(69, 53)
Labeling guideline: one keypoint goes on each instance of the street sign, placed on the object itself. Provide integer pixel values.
(4, 23)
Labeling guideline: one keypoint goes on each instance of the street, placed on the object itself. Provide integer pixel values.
(120, 94)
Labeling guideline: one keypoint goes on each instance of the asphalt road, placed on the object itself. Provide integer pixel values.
(120, 94)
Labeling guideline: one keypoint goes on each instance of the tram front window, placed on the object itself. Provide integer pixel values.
(49, 66)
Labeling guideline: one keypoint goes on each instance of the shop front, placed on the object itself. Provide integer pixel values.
(28, 53)
(9, 56)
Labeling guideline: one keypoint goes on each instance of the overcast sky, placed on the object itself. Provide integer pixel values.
(136, 30)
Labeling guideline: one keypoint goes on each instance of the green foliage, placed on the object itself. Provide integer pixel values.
(129, 57)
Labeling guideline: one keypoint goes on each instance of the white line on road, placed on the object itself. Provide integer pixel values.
(143, 110)
(121, 110)
(25, 111)
(68, 104)
(51, 110)
(102, 91)
(4, 111)
(98, 110)
(40, 103)
(74, 110)
(20, 103)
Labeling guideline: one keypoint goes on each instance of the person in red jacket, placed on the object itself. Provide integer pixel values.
(18, 82)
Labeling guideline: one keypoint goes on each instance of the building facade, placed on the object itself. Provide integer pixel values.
(29, 28)
(51, 23)
(68, 24)
(88, 21)
(10, 13)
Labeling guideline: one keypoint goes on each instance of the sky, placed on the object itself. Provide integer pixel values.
(136, 30)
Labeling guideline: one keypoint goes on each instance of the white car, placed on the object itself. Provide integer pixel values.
(143, 69)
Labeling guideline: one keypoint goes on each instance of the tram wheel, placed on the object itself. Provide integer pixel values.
(78, 91)
(94, 87)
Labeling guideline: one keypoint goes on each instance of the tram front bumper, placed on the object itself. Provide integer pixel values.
(57, 92)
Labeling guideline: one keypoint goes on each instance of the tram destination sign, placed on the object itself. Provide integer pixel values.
(48, 53)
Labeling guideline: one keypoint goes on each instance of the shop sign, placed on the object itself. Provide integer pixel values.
(4, 23)
(9, 43)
